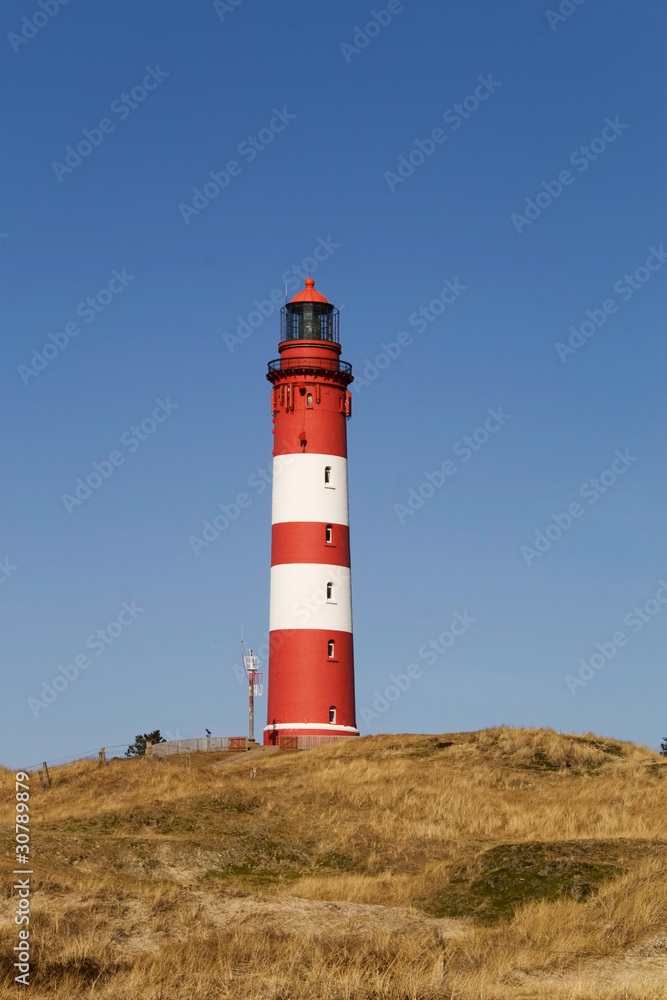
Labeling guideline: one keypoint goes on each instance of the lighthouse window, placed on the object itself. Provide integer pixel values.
(329, 534)
(331, 649)
(330, 592)
(332, 714)
(309, 399)
(327, 476)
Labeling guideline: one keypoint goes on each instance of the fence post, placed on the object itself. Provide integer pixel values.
(102, 757)
(41, 780)
(47, 777)
(149, 749)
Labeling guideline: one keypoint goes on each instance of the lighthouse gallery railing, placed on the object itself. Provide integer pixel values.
(310, 364)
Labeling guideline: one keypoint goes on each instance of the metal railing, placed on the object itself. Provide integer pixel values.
(310, 364)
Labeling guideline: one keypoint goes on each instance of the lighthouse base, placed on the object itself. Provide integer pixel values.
(299, 735)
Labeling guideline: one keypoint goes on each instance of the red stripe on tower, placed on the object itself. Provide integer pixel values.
(311, 660)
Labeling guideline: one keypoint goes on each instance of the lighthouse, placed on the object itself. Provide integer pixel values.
(311, 661)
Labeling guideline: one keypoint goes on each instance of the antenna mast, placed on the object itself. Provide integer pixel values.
(255, 687)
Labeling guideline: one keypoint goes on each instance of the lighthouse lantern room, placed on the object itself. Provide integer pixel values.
(311, 662)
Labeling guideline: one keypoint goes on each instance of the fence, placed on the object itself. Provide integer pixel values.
(103, 755)
(209, 743)
(308, 742)
(74, 758)
(169, 747)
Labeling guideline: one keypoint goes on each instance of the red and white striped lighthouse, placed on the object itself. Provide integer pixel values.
(311, 662)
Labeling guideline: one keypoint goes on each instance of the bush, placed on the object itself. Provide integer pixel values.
(138, 748)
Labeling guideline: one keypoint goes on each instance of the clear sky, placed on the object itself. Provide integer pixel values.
(496, 166)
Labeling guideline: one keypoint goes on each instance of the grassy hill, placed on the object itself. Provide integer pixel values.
(470, 866)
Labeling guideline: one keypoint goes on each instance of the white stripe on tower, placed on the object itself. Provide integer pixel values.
(300, 492)
(299, 597)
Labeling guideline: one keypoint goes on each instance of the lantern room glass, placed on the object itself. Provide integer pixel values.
(309, 321)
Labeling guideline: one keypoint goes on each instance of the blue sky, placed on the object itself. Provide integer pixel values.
(533, 233)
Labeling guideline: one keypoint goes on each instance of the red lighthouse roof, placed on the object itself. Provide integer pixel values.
(310, 294)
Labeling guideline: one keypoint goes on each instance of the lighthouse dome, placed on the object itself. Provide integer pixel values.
(310, 293)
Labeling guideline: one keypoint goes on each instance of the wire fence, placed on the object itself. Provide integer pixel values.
(74, 758)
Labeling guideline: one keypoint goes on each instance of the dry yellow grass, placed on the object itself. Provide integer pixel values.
(473, 866)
